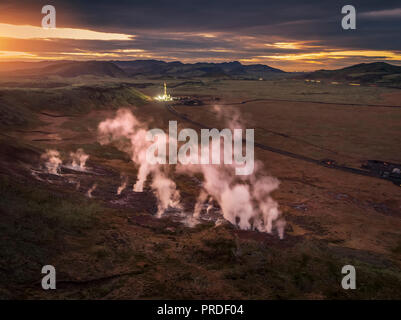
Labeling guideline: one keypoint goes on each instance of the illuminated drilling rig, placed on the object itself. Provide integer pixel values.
(165, 96)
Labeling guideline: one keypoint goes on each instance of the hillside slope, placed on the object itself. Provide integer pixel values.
(19, 106)
(71, 69)
(381, 73)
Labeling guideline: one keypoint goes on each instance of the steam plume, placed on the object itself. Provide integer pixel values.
(129, 135)
(245, 201)
(79, 159)
(123, 185)
(52, 161)
(91, 189)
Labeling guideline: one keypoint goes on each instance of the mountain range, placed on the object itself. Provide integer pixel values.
(378, 73)
(142, 68)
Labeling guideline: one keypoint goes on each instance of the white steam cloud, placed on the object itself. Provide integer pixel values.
(78, 159)
(244, 200)
(52, 161)
(126, 126)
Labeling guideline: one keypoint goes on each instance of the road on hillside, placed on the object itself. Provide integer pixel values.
(262, 146)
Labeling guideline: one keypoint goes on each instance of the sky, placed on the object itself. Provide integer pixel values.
(292, 35)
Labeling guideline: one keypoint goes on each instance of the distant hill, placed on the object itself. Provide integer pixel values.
(69, 69)
(176, 69)
(380, 73)
(141, 68)
(6, 66)
(79, 68)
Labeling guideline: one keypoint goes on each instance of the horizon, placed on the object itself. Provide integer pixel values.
(199, 62)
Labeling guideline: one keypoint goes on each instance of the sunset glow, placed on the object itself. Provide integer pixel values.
(31, 32)
(285, 43)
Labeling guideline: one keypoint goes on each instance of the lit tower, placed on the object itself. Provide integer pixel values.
(165, 96)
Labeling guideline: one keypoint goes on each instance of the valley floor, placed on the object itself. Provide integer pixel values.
(111, 246)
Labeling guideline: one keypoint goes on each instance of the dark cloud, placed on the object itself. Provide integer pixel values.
(175, 28)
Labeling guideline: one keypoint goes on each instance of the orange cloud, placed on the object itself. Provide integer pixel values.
(32, 32)
(388, 55)
(16, 55)
(289, 45)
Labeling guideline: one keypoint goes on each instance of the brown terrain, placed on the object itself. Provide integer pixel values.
(315, 140)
